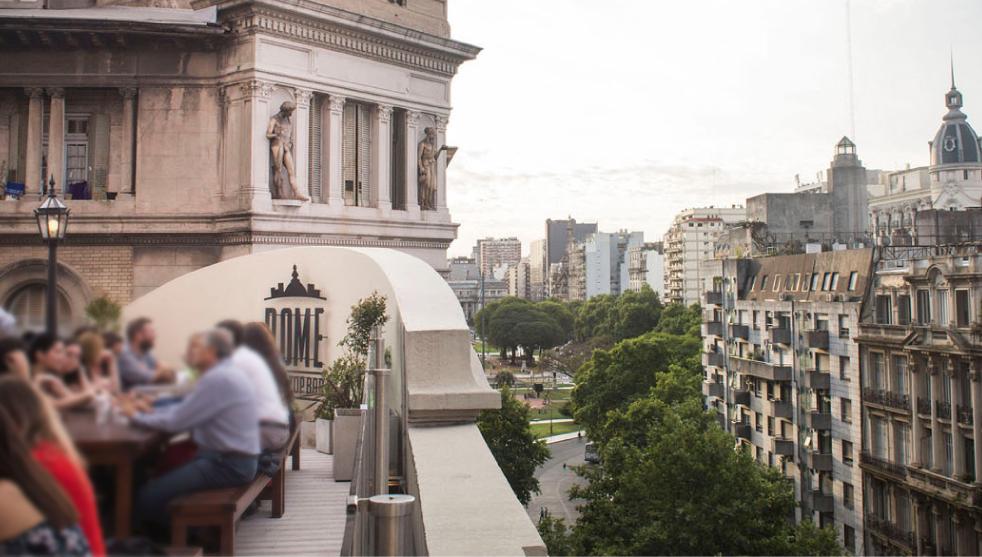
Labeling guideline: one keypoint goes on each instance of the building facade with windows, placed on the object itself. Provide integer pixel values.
(155, 121)
(782, 373)
(689, 242)
(922, 402)
(646, 266)
(494, 254)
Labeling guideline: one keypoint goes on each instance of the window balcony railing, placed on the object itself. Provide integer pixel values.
(713, 389)
(819, 380)
(763, 370)
(923, 406)
(741, 396)
(943, 408)
(819, 340)
(820, 420)
(822, 502)
(882, 465)
(780, 335)
(714, 328)
(925, 480)
(781, 446)
(965, 415)
(886, 398)
(715, 359)
(714, 298)
(740, 331)
(820, 462)
(742, 430)
(889, 530)
(780, 409)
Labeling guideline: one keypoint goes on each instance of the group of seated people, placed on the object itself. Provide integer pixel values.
(233, 399)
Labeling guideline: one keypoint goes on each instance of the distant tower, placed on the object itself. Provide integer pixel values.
(850, 199)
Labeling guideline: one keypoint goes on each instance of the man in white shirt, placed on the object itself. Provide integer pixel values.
(274, 416)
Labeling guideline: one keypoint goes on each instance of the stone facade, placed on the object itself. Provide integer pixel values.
(688, 243)
(155, 118)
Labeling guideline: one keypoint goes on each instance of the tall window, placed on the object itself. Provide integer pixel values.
(903, 511)
(923, 307)
(844, 370)
(848, 496)
(883, 309)
(961, 308)
(356, 154)
(948, 455)
(901, 443)
(845, 410)
(398, 158)
(942, 307)
(847, 452)
(875, 370)
(27, 304)
(853, 278)
(879, 433)
(903, 309)
(899, 375)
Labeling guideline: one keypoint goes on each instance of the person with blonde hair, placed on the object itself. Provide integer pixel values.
(99, 362)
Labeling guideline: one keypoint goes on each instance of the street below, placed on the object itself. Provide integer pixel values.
(555, 481)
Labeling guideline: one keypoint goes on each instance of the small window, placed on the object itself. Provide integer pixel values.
(903, 309)
(777, 283)
(797, 279)
(814, 284)
(961, 308)
(835, 281)
(848, 496)
(849, 537)
(847, 452)
(826, 281)
(805, 280)
(845, 408)
(763, 283)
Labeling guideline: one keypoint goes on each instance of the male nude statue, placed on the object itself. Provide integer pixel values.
(428, 153)
(280, 135)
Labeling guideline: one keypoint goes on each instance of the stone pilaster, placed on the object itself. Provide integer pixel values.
(957, 444)
(301, 139)
(918, 423)
(412, 162)
(56, 138)
(254, 176)
(333, 169)
(976, 416)
(383, 157)
(127, 153)
(937, 439)
(441, 167)
(35, 124)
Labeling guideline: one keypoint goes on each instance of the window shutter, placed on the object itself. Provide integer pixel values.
(314, 150)
(349, 154)
(364, 184)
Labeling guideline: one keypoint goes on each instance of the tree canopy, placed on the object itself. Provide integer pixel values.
(511, 323)
(516, 450)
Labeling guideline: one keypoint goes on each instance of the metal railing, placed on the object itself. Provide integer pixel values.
(378, 523)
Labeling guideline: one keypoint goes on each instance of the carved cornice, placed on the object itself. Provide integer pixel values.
(384, 113)
(441, 123)
(128, 93)
(334, 35)
(413, 117)
(335, 103)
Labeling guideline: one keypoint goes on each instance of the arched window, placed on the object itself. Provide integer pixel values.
(27, 304)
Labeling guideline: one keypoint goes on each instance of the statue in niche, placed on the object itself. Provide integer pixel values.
(280, 135)
(428, 153)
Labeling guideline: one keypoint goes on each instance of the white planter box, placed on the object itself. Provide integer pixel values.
(347, 427)
(323, 435)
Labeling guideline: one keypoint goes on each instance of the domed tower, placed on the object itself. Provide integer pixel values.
(956, 159)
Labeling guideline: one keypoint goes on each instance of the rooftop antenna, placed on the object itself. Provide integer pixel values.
(852, 102)
(951, 56)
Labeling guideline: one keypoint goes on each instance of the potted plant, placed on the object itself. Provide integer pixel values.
(344, 383)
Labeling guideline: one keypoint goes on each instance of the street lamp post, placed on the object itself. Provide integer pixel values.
(52, 218)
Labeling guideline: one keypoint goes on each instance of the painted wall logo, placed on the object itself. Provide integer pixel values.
(295, 316)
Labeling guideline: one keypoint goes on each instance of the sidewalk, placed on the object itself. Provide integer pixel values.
(563, 437)
(554, 420)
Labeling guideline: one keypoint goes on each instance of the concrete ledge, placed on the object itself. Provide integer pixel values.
(466, 506)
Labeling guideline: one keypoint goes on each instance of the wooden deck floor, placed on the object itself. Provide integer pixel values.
(315, 511)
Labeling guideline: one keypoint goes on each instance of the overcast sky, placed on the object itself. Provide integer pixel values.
(627, 111)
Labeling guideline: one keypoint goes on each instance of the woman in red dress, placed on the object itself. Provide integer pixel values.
(40, 428)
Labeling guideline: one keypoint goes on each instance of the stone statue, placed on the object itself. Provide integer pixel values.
(280, 135)
(428, 153)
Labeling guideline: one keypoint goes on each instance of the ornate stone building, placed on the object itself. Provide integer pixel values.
(159, 121)
(952, 181)
(922, 402)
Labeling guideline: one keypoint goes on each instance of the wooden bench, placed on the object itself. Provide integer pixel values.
(222, 508)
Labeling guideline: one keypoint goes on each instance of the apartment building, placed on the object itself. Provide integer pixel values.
(782, 373)
(922, 402)
(688, 243)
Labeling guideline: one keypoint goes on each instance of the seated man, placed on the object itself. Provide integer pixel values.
(220, 413)
(136, 363)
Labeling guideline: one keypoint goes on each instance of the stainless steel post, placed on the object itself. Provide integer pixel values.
(381, 463)
(391, 515)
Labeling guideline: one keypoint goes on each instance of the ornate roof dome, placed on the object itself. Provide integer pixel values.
(956, 142)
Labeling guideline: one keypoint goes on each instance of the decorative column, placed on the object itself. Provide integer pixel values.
(919, 533)
(957, 445)
(254, 172)
(383, 157)
(976, 417)
(961, 548)
(412, 162)
(335, 176)
(441, 166)
(936, 533)
(56, 138)
(35, 123)
(301, 139)
(937, 441)
(918, 424)
(127, 150)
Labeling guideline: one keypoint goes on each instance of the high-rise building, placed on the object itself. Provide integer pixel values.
(495, 256)
(599, 264)
(688, 243)
(783, 373)
(559, 235)
(538, 270)
(155, 119)
(922, 402)
(646, 266)
(519, 284)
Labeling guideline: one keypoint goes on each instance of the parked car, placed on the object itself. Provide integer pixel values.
(590, 453)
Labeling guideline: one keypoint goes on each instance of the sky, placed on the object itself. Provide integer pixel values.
(625, 112)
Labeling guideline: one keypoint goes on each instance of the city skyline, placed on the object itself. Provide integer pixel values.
(774, 79)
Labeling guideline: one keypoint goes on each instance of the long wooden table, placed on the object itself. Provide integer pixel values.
(118, 446)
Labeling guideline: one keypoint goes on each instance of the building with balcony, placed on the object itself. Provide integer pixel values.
(688, 243)
(922, 402)
(155, 121)
(782, 373)
(646, 266)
